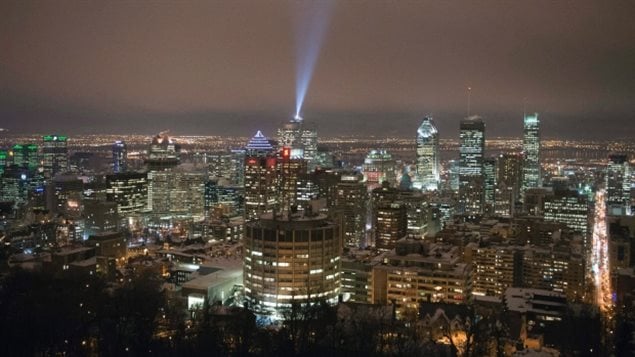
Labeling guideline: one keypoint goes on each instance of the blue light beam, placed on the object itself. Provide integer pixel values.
(311, 23)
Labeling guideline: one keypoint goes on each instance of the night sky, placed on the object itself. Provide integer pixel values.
(228, 67)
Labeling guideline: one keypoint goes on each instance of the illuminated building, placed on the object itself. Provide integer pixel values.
(496, 268)
(357, 279)
(418, 271)
(291, 259)
(301, 140)
(228, 168)
(390, 223)
(471, 154)
(508, 181)
(18, 185)
(350, 206)
(489, 182)
(570, 208)
(25, 156)
(453, 174)
(177, 192)
(531, 149)
(230, 197)
(261, 182)
(54, 155)
(163, 153)
(427, 172)
(3, 161)
(292, 181)
(119, 157)
(618, 185)
(378, 167)
(129, 190)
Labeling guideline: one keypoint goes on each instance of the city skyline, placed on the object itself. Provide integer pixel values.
(379, 64)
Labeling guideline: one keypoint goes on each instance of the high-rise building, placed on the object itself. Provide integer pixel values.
(291, 259)
(509, 168)
(119, 157)
(427, 167)
(54, 155)
(177, 192)
(618, 185)
(570, 208)
(531, 149)
(390, 223)
(163, 153)
(3, 161)
(129, 190)
(261, 182)
(301, 140)
(379, 166)
(350, 205)
(471, 154)
(489, 182)
(25, 156)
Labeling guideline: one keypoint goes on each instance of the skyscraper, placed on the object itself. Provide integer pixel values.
(163, 153)
(531, 149)
(427, 172)
(618, 185)
(301, 140)
(25, 156)
(54, 155)
(508, 181)
(119, 157)
(489, 182)
(261, 177)
(471, 153)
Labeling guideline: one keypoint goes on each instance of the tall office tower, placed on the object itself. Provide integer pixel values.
(390, 223)
(295, 189)
(18, 184)
(291, 259)
(228, 167)
(129, 190)
(301, 140)
(261, 178)
(531, 149)
(230, 199)
(570, 208)
(65, 196)
(427, 172)
(25, 156)
(163, 153)
(54, 155)
(453, 174)
(119, 157)
(177, 192)
(350, 207)
(618, 185)
(471, 154)
(509, 170)
(379, 166)
(489, 182)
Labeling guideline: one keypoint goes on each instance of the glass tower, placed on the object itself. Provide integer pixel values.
(531, 150)
(427, 175)
(119, 157)
(471, 152)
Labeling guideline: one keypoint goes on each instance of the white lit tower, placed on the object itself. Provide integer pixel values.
(471, 153)
(531, 150)
(427, 174)
(301, 140)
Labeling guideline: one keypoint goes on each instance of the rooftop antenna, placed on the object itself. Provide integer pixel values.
(469, 94)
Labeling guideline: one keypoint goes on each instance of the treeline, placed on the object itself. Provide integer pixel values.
(45, 314)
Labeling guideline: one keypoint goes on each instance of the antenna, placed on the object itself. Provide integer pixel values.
(469, 95)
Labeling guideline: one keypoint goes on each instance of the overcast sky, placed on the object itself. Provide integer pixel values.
(213, 67)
